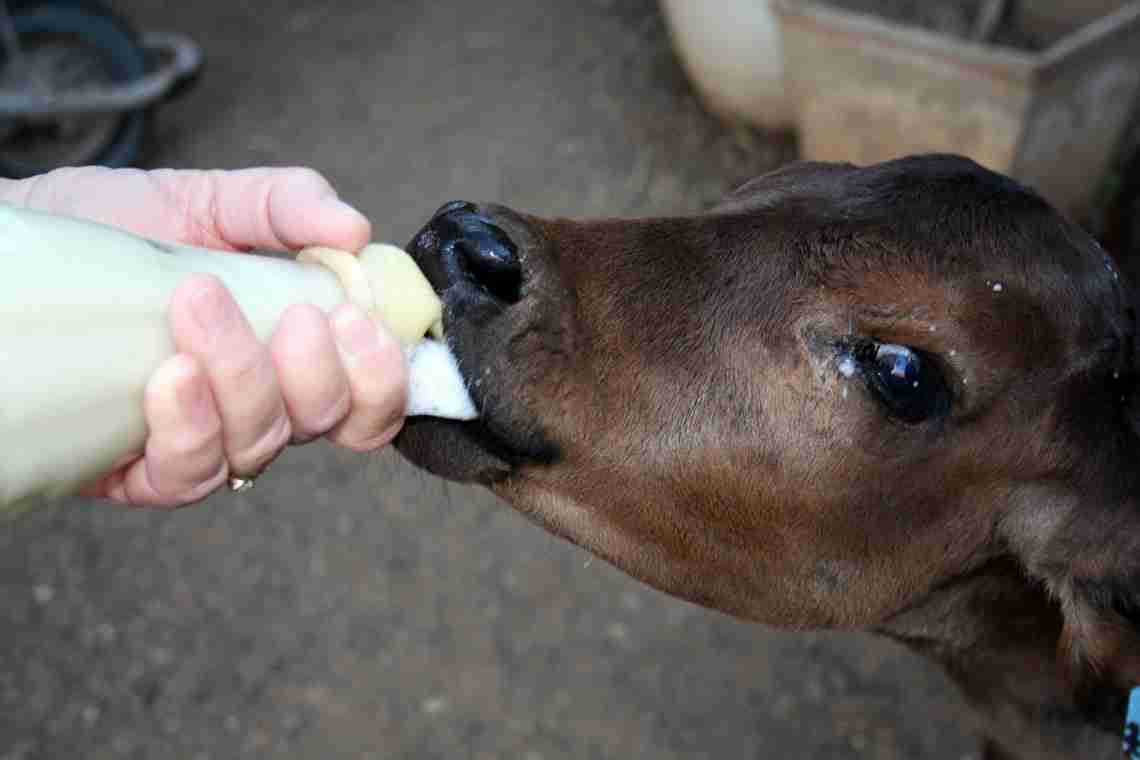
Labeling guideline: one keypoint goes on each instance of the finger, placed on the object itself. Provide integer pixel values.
(377, 377)
(313, 381)
(119, 197)
(100, 489)
(251, 208)
(60, 189)
(265, 208)
(185, 459)
(206, 323)
(103, 488)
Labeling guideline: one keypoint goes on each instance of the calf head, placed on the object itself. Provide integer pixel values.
(839, 390)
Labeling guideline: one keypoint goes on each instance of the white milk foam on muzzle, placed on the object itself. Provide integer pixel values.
(436, 387)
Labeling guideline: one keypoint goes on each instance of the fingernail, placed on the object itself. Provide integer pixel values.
(213, 309)
(355, 332)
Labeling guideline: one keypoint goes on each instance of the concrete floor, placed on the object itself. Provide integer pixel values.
(353, 607)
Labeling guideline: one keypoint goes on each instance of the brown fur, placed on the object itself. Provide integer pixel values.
(665, 394)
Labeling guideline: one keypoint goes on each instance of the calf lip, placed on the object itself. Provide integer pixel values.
(479, 450)
(451, 450)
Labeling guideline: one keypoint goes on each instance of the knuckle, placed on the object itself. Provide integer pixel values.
(210, 484)
(245, 371)
(265, 447)
(363, 443)
(196, 491)
(193, 445)
(276, 437)
(325, 420)
(360, 447)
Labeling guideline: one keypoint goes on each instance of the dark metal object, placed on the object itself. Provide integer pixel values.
(181, 58)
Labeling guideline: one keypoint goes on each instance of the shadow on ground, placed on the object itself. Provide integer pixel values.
(352, 607)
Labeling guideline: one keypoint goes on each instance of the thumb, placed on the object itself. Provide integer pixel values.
(268, 208)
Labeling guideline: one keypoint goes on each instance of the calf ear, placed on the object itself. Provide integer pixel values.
(1092, 561)
(1100, 640)
(768, 189)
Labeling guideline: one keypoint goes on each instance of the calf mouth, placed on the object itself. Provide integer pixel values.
(475, 267)
(475, 451)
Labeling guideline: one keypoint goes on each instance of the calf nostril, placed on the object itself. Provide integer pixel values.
(472, 248)
(492, 260)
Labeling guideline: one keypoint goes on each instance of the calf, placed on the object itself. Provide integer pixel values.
(900, 398)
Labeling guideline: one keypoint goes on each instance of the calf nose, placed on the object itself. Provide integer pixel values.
(470, 246)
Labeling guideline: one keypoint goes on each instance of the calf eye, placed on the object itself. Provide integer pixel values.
(907, 383)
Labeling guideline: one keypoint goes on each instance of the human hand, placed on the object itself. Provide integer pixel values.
(226, 405)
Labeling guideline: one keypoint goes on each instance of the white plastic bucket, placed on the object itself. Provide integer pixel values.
(731, 51)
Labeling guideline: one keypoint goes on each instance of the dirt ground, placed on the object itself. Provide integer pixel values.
(352, 607)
